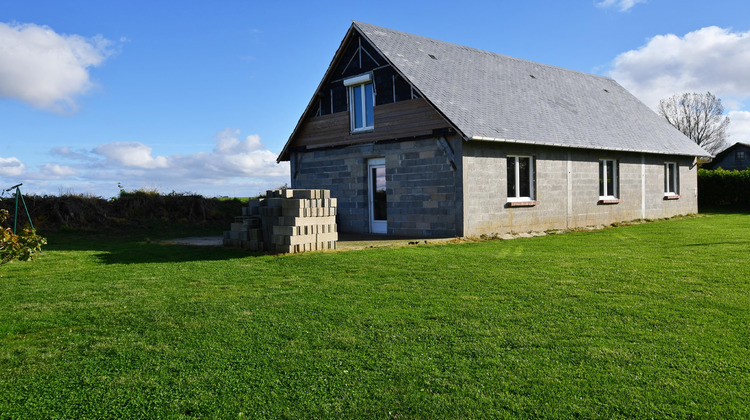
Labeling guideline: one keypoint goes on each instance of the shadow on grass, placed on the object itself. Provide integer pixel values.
(138, 249)
(705, 209)
(165, 253)
(717, 243)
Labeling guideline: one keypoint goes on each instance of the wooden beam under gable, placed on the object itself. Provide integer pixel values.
(413, 118)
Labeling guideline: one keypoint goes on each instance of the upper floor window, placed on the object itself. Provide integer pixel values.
(521, 178)
(739, 155)
(671, 179)
(608, 179)
(361, 102)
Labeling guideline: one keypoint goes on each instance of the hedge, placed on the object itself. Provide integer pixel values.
(136, 209)
(720, 188)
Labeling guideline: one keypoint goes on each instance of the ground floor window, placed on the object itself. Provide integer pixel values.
(608, 179)
(671, 179)
(521, 178)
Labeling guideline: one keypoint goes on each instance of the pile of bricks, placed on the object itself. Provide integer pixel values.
(286, 221)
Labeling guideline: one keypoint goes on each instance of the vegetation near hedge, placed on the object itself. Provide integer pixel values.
(721, 188)
(641, 321)
(25, 246)
(131, 209)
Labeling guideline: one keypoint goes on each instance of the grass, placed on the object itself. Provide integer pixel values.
(650, 320)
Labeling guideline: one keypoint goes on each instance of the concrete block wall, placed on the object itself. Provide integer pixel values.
(422, 187)
(584, 207)
(656, 206)
(567, 188)
(428, 197)
(485, 190)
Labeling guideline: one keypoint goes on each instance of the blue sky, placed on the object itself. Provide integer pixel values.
(201, 96)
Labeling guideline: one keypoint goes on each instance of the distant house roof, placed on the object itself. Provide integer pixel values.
(717, 160)
(492, 97)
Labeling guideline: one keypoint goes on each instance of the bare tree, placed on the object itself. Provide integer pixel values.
(699, 117)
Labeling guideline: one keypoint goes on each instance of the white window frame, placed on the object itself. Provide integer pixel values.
(376, 226)
(671, 171)
(352, 83)
(517, 179)
(615, 193)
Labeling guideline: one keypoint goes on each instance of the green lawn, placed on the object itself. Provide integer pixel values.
(650, 320)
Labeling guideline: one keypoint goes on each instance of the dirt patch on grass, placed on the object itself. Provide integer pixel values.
(348, 241)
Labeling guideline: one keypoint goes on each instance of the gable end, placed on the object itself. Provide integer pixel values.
(325, 121)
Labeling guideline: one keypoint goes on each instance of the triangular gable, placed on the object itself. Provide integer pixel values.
(355, 55)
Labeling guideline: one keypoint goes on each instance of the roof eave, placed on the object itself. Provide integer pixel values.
(284, 155)
(553, 144)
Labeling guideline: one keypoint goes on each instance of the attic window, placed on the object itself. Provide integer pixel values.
(361, 102)
(606, 90)
(432, 56)
(532, 76)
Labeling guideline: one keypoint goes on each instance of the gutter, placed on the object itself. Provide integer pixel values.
(618, 149)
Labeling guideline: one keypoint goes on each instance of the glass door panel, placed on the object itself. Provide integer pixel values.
(377, 196)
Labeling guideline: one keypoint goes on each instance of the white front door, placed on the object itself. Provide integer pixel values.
(377, 196)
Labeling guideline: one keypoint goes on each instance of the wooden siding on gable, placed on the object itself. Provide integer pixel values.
(410, 118)
(326, 119)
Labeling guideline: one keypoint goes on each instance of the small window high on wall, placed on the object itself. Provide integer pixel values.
(361, 102)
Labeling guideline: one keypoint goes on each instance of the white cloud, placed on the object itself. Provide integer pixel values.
(227, 142)
(247, 157)
(710, 59)
(54, 170)
(45, 69)
(622, 5)
(739, 126)
(131, 155)
(235, 166)
(68, 153)
(11, 166)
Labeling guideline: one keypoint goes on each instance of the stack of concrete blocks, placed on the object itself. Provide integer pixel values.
(286, 221)
(244, 232)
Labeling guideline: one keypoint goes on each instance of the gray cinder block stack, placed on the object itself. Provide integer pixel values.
(286, 221)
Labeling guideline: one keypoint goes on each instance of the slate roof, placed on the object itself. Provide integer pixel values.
(493, 97)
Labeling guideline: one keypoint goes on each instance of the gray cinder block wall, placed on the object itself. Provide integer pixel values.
(567, 189)
(423, 189)
(429, 197)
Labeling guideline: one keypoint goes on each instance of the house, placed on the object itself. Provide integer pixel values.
(736, 156)
(421, 137)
